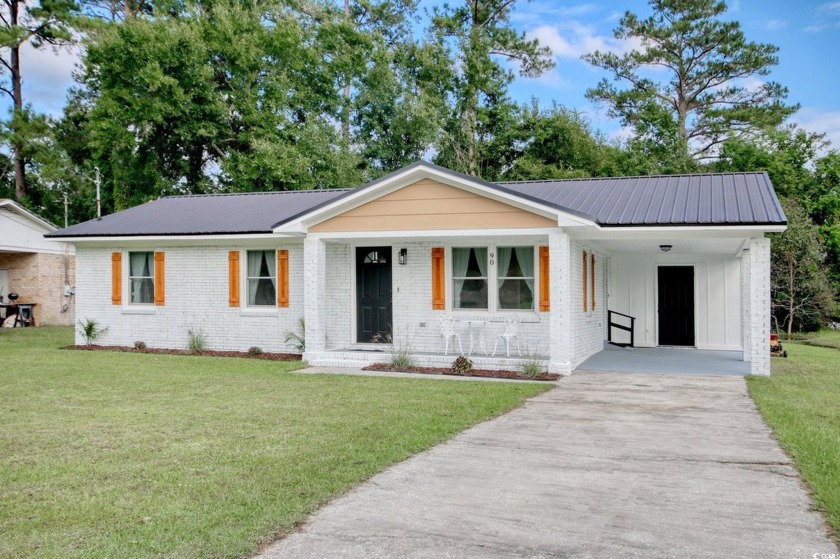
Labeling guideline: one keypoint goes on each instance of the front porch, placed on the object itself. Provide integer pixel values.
(667, 360)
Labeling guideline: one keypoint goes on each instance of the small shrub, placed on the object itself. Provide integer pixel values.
(530, 368)
(139, 346)
(254, 350)
(462, 365)
(90, 330)
(297, 338)
(400, 350)
(531, 365)
(196, 341)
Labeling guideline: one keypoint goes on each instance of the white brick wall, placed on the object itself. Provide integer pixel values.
(196, 297)
(746, 323)
(759, 306)
(413, 316)
(588, 330)
(339, 284)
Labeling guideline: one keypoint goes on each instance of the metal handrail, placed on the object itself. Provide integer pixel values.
(611, 325)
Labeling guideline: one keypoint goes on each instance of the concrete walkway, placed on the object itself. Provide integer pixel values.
(605, 465)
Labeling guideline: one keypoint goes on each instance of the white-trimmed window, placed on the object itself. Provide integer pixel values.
(141, 278)
(516, 278)
(262, 278)
(470, 278)
(493, 278)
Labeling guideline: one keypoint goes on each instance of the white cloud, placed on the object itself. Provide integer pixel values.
(552, 79)
(816, 28)
(823, 122)
(574, 39)
(830, 7)
(774, 24)
(47, 73)
(540, 11)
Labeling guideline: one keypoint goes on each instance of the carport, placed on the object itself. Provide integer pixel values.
(667, 360)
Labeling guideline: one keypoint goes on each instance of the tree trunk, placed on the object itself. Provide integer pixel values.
(469, 133)
(790, 306)
(17, 96)
(345, 124)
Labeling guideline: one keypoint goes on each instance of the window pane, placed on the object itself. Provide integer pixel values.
(262, 285)
(141, 278)
(471, 294)
(469, 273)
(516, 294)
(516, 262)
(142, 290)
(140, 264)
(262, 291)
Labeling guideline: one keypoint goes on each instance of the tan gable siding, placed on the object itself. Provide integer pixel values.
(428, 204)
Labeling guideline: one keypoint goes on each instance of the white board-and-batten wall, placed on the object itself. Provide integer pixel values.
(633, 290)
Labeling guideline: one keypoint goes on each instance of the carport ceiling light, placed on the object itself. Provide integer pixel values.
(665, 248)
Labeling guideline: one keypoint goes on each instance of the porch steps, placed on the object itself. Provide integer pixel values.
(359, 359)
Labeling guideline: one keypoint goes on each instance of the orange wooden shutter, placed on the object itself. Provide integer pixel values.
(160, 284)
(233, 278)
(282, 278)
(116, 278)
(438, 280)
(545, 297)
(585, 283)
(592, 278)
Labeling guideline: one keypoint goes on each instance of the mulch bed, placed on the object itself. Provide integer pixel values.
(487, 373)
(265, 356)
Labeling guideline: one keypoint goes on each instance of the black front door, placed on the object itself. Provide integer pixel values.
(373, 294)
(676, 305)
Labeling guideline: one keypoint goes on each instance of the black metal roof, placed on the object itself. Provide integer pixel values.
(203, 214)
(697, 199)
(667, 200)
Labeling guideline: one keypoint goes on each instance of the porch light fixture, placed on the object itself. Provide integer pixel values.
(665, 248)
(403, 256)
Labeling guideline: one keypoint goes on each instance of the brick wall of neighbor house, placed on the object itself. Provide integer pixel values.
(588, 330)
(196, 296)
(414, 319)
(39, 278)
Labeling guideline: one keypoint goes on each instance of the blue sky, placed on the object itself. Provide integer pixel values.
(806, 32)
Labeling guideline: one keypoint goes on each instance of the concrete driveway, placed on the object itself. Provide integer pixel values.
(605, 465)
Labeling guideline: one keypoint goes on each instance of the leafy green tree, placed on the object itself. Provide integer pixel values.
(222, 96)
(824, 207)
(787, 153)
(801, 292)
(40, 24)
(793, 161)
(704, 97)
(482, 40)
(397, 108)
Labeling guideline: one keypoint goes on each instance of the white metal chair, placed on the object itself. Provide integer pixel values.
(510, 333)
(448, 333)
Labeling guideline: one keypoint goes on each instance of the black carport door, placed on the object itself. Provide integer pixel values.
(676, 305)
(373, 294)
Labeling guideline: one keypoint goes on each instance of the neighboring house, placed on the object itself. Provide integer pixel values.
(685, 255)
(39, 270)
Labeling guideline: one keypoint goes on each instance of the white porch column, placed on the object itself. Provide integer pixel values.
(560, 315)
(314, 295)
(746, 324)
(759, 315)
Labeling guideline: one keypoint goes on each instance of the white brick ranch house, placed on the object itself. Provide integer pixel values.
(686, 256)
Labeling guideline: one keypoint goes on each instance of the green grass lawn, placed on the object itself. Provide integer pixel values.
(801, 402)
(134, 455)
